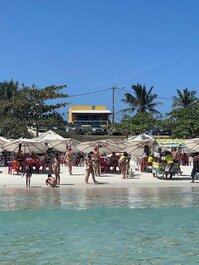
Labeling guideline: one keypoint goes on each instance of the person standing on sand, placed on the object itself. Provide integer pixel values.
(195, 168)
(176, 159)
(96, 160)
(90, 168)
(20, 160)
(69, 159)
(124, 164)
(57, 168)
(169, 165)
(28, 173)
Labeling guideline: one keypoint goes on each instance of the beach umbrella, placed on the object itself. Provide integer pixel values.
(105, 146)
(26, 145)
(192, 144)
(62, 145)
(137, 148)
(3, 141)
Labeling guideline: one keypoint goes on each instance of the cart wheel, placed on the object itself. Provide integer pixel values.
(160, 175)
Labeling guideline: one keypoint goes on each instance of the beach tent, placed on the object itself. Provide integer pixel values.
(141, 137)
(49, 136)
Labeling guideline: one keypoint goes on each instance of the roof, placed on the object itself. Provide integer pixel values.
(92, 111)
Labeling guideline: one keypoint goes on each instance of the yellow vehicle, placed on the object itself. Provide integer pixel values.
(158, 169)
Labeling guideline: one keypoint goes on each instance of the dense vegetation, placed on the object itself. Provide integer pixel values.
(25, 107)
(182, 120)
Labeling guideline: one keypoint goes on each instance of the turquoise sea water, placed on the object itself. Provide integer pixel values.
(99, 226)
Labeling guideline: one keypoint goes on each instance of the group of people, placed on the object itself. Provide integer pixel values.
(169, 160)
(93, 164)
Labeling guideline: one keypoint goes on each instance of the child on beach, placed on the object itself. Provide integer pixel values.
(51, 181)
(28, 173)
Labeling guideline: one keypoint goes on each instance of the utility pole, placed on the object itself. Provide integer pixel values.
(113, 104)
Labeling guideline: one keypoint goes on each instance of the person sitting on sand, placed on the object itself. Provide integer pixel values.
(51, 181)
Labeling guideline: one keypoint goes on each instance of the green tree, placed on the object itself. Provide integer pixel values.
(184, 99)
(33, 107)
(139, 123)
(141, 100)
(41, 106)
(11, 125)
(184, 122)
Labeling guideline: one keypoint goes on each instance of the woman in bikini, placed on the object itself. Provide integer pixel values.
(69, 160)
(90, 168)
(57, 168)
(96, 161)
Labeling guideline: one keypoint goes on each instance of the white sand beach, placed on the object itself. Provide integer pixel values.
(106, 180)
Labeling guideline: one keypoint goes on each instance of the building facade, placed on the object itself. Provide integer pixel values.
(88, 116)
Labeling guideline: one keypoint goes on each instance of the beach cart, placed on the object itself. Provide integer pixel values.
(158, 169)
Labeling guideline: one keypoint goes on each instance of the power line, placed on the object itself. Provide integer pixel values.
(102, 90)
(89, 93)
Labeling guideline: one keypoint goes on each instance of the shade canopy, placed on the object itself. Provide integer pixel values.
(137, 148)
(49, 136)
(105, 146)
(62, 145)
(26, 145)
(192, 144)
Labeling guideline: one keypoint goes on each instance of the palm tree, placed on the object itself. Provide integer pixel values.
(8, 89)
(184, 99)
(141, 100)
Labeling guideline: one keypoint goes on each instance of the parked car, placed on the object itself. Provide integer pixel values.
(96, 131)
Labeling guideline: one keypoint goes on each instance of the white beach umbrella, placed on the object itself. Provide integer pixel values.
(26, 145)
(62, 145)
(136, 148)
(104, 147)
(192, 144)
(3, 141)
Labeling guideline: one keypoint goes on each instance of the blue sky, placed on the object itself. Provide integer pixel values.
(92, 45)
